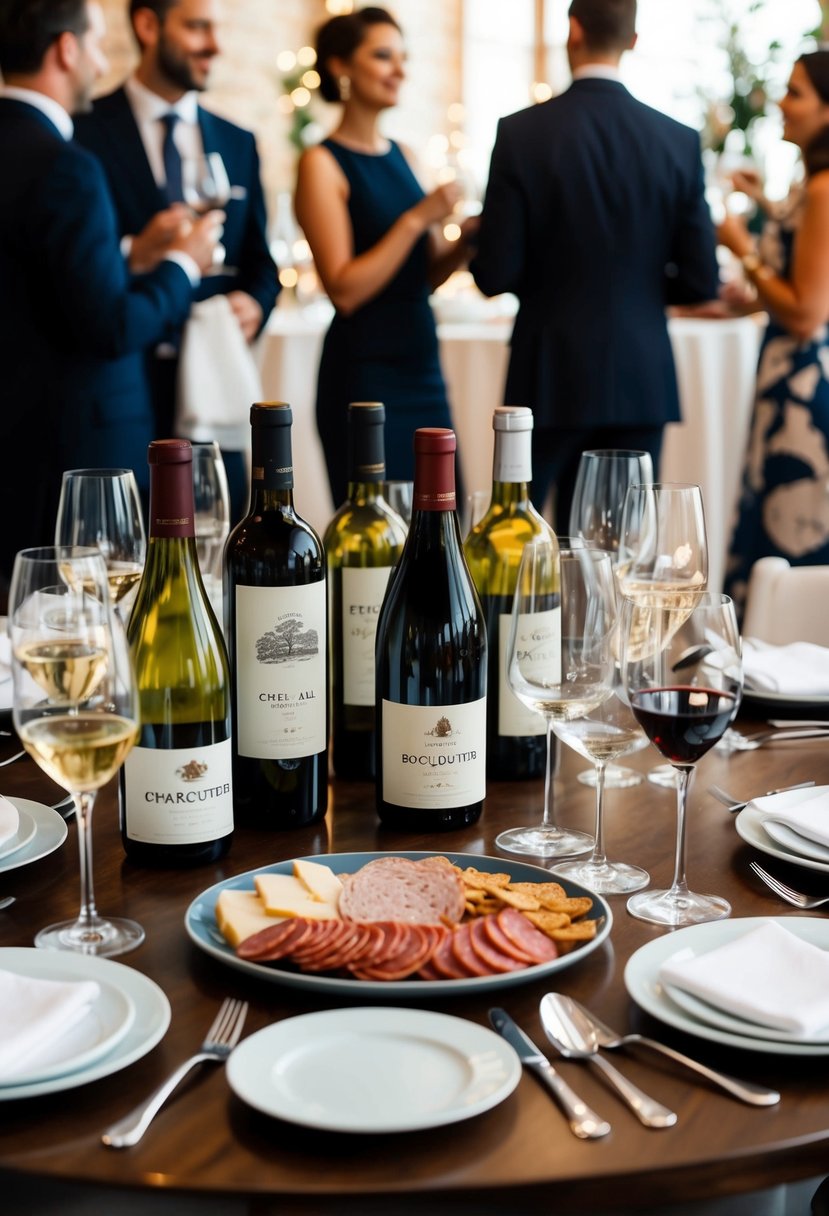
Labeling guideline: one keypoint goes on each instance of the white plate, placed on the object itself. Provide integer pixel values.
(749, 825)
(792, 840)
(703, 1012)
(785, 698)
(50, 833)
(151, 1013)
(200, 922)
(26, 829)
(644, 986)
(373, 1070)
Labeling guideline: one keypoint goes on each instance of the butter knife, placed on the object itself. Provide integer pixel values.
(584, 1122)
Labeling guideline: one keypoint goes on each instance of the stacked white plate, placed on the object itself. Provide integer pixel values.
(758, 826)
(40, 830)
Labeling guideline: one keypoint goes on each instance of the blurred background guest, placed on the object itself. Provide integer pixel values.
(377, 248)
(143, 133)
(72, 321)
(595, 217)
(784, 505)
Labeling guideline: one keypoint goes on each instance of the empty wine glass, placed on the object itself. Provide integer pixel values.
(206, 187)
(663, 549)
(682, 670)
(75, 707)
(212, 501)
(560, 661)
(399, 495)
(101, 508)
(602, 482)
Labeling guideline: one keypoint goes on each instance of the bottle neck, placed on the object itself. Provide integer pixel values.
(366, 454)
(172, 507)
(272, 469)
(511, 467)
(364, 491)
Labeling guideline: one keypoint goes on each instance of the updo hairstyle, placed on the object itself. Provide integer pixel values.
(339, 39)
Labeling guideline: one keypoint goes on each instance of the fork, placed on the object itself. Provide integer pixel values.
(748, 743)
(734, 804)
(220, 1040)
(796, 898)
(11, 759)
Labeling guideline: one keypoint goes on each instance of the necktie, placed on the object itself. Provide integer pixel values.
(174, 188)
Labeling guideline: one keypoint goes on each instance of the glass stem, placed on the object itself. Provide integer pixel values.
(88, 914)
(548, 820)
(679, 886)
(598, 857)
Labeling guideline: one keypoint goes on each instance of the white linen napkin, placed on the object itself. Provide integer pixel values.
(766, 975)
(35, 1013)
(9, 820)
(801, 668)
(217, 376)
(804, 811)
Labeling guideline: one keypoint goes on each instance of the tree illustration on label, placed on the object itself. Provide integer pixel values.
(442, 729)
(287, 640)
(192, 770)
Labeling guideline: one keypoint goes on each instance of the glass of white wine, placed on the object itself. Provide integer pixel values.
(75, 706)
(101, 508)
(212, 503)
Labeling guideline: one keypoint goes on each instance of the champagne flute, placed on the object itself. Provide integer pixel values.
(602, 482)
(212, 519)
(101, 508)
(560, 661)
(683, 673)
(75, 707)
(206, 187)
(663, 549)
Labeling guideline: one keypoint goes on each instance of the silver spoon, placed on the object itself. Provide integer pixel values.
(576, 1041)
(746, 1091)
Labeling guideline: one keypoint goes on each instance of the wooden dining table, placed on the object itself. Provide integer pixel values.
(518, 1156)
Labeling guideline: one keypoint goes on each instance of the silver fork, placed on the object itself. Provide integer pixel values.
(220, 1040)
(749, 743)
(796, 898)
(734, 804)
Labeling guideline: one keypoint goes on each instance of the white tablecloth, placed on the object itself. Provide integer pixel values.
(715, 360)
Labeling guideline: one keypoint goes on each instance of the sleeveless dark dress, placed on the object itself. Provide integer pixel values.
(388, 349)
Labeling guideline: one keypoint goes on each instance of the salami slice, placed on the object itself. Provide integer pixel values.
(490, 955)
(276, 941)
(519, 930)
(500, 940)
(443, 959)
(466, 956)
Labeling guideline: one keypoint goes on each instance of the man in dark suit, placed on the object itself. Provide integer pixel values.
(128, 131)
(73, 323)
(595, 218)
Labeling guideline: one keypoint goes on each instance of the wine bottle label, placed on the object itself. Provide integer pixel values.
(434, 757)
(178, 795)
(280, 671)
(363, 591)
(514, 718)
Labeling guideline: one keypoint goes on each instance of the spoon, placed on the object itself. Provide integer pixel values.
(8, 901)
(746, 1091)
(575, 1040)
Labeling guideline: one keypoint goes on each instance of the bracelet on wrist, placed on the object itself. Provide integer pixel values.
(755, 267)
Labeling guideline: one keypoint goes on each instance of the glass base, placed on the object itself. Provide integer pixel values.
(605, 877)
(616, 777)
(664, 775)
(103, 938)
(544, 842)
(677, 908)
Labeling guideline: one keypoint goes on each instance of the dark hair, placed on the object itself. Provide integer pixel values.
(609, 25)
(816, 152)
(29, 27)
(339, 39)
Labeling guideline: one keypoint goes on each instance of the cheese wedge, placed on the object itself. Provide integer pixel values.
(240, 914)
(285, 895)
(320, 881)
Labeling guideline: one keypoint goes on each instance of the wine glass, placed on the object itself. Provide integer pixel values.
(602, 482)
(101, 508)
(206, 187)
(683, 673)
(663, 548)
(560, 661)
(75, 706)
(212, 519)
(399, 496)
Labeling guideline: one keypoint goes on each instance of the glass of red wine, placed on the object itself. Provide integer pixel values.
(683, 673)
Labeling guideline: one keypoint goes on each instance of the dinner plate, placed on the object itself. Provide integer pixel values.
(373, 1070)
(149, 1025)
(26, 829)
(704, 1012)
(49, 834)
(644, 986)
(200, 922)
(786, 700)
(795, 842)
(749, 825)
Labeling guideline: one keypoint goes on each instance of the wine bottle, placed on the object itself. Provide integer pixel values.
(431, 663)
(515, 736)
(176, 795)
(363, 542)
(275, 622)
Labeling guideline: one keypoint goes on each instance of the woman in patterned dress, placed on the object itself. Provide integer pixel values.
(784, 503)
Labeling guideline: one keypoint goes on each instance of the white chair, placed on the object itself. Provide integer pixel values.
(787, 603)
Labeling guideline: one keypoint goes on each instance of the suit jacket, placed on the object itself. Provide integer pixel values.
(594, 216)
(111, 132)
(73, 324)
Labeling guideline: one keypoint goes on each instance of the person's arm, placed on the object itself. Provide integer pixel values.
(500, 262)
(800, 303)
(692, 274)
(321, 204)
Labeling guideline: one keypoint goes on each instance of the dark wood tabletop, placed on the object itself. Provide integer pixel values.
(519, 1154)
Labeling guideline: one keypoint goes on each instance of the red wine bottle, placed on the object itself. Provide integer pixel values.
(431, 663)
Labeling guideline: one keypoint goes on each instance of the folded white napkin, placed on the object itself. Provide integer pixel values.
(804, 811)
(9, 820)
(217, 376)
(35, 1013)
(766, 975)
(801, 668)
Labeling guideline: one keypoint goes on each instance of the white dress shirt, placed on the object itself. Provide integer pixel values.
(53, 110)
(149, 110)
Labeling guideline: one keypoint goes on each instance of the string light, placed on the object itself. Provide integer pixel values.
(286, 61)
(540, 91)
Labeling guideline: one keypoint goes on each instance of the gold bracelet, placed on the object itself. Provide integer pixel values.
(755, 267)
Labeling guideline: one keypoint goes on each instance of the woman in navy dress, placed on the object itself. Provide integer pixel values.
(784, 502)
(378, 249)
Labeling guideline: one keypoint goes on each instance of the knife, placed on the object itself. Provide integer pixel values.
(584, 1122)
